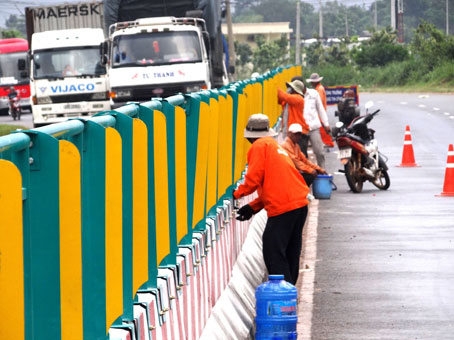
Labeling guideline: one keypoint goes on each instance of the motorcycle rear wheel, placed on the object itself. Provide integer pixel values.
(382, 182)
(354, 179)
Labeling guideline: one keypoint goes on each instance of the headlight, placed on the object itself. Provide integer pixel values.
(123, 93)
(193, 88)
(44, 100)
(100, 95)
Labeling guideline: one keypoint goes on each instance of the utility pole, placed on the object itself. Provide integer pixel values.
(447, 18)
(298, 34)
(346, 24)
(320, 20)
(393, 15)
(375, 15)
(232, 56)
(400, 20)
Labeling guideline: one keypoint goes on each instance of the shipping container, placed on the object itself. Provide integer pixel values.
(88, 14)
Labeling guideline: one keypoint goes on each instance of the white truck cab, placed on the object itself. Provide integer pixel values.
(157, 57)
(67, 78)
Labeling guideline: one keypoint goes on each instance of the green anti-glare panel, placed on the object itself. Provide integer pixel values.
(93, 231)
(124, 126)
(42, 259)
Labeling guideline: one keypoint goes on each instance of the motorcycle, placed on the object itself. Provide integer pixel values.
(358, 152)
(15, 108)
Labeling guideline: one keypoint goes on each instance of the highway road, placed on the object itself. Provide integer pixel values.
(26, 120)
(384, 263)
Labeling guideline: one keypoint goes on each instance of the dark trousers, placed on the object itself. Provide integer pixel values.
(308, 178)
(304, 144)
(282, 242)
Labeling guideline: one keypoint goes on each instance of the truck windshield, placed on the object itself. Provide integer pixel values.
(9, 72)
(74, 62)
(157, 48)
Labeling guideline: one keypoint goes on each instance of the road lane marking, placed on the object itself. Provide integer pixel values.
(404, 103)
(436, 109)
(423, 96)
(422, 105)
(447, 113)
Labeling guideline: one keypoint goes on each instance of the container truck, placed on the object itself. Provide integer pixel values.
(159, 49)
(12, 74)
(67, 78)
(67, 75)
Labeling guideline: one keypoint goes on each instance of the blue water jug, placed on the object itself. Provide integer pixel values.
(322, 186)
(276, 310)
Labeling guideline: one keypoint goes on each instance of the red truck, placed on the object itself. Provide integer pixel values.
(11, 51)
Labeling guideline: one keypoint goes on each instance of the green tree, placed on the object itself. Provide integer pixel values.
(380, 50)
(17, 23)
(432, 45)
(270, 54)
(11, 34)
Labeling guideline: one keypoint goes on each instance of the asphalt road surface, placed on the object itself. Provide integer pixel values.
(385, 259)
(26, 120)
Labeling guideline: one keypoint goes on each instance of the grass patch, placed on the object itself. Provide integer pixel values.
(410, 75)
(6, 129)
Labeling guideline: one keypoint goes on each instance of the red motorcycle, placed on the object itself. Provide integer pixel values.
(15, 109)
(358, 152)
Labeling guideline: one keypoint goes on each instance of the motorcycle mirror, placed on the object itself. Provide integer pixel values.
(369, 104)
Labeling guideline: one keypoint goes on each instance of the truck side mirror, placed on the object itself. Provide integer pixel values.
(104, 47)
(21, 64)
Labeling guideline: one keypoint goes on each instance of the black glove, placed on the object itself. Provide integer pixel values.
(245, 213)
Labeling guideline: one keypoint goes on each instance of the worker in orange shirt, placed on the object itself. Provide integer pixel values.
(315, 80)
(294, 99)
(282, 192)
(308, 170)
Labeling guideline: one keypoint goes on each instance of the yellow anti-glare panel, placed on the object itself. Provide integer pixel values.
(114, 225)
(161, 187)
(11, 253)
(181, 173)
(70, 242)
(140, 204)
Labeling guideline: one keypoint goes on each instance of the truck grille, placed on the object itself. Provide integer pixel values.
(70, 98)
(142, 94)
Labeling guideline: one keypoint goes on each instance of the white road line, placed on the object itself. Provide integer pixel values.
(452, 117)
(404, 103)
(307, 274)
(447, 113)
(422, 105)
(436, 109)
(423, 96)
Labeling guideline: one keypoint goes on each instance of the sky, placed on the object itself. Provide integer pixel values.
(8, 7)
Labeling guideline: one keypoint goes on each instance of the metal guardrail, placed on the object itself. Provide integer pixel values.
(89, 208)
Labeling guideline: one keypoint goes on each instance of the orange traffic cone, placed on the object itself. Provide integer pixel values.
(448, 187)
(408, 157)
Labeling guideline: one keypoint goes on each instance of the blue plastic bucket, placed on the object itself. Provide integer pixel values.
(276, 310)
(322, 186)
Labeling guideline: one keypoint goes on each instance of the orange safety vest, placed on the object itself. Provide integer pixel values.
(299, 159)
(271, 172)
(295, 108)
(326, 138)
